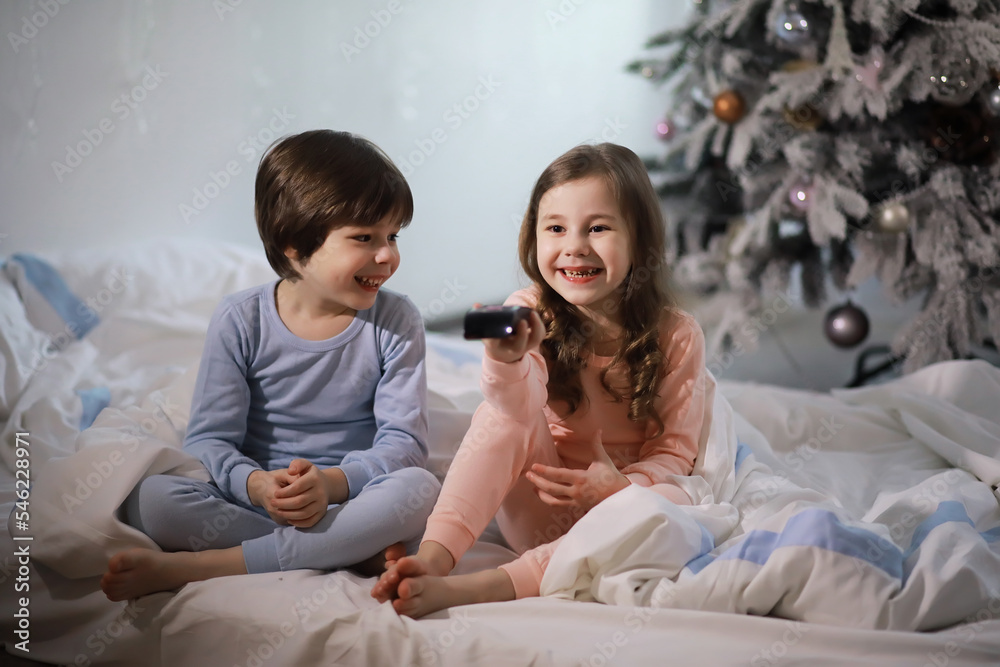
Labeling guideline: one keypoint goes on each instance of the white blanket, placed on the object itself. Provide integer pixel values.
(141, 359)
(906, 537)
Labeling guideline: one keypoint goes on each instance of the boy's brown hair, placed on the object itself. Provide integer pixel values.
(311, 183)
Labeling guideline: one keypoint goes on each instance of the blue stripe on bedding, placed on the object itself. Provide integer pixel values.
(707, 540)
(79, 317)
(94, 400)
(823, 529)
(949, 511)
(991, 535)
(812, 528)
(698, 563)
(742, 451)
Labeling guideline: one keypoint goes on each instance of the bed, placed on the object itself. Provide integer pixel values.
(852, 527)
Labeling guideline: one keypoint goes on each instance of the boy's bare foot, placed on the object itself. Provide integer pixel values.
(425, 594)
(137, 572)
(377, 564)
(395, 552)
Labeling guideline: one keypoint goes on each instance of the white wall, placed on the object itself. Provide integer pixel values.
(168, 94)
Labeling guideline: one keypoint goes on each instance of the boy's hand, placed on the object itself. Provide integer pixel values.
(303, 501)
(261, 487)
(579, 489)
(337, 489)
(528, 336)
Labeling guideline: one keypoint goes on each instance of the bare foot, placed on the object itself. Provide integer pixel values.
(385, 588)
(431, 559)
(137, 572)
(377, 564)
(394, 553)
(422, 595)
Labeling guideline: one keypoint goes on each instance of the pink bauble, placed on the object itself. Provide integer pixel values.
(665, 130)
(800, 196)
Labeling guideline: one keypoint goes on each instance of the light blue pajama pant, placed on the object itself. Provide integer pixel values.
(183, 514)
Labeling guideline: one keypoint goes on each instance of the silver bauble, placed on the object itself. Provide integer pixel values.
(893, 218)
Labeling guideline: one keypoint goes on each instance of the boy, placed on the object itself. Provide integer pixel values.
(309, 410)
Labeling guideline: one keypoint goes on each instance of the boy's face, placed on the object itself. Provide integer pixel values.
(351, 265)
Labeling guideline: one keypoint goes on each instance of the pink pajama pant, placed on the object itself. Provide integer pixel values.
(487, 478)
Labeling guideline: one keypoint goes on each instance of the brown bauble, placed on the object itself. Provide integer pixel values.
(729, 106)
(806, 118)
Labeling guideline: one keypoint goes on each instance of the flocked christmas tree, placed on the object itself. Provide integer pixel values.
(849, 138)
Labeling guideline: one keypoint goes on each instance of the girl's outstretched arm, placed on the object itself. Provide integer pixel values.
(514, 371)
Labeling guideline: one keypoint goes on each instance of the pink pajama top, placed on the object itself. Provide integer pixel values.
(646, 459)
(518, 392)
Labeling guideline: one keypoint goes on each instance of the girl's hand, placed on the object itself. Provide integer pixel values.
(303, 501)
(528, 336)
(579, 489)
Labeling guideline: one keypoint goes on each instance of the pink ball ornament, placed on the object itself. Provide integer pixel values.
(800, 196)
(868, 74)
(665, 130)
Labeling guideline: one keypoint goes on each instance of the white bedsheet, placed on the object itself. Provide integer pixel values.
(144, 351)
(924, 555)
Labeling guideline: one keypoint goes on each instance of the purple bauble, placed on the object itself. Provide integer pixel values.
(846, 325)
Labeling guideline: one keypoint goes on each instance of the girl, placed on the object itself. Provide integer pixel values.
(604, 387)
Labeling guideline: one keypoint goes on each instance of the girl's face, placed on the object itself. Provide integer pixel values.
(583, 244)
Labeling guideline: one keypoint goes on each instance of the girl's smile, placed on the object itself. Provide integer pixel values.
(579, 275)
(583, 243)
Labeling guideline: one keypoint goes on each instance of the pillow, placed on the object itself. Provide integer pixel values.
(51, 307)
(23, 348)
(164, 276)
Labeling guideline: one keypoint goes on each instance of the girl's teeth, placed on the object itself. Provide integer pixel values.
(580, 274)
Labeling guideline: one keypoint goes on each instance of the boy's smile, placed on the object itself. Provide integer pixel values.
(371, 283)
(345, 274)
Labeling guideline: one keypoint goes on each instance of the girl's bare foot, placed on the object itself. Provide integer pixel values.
(431, 558)
(137, 572)
(425, 594)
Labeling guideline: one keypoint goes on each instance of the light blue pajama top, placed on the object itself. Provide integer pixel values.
(264, 396)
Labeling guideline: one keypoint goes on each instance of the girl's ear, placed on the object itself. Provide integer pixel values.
(292, 254)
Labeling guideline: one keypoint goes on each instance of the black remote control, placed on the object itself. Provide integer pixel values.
(494, 321)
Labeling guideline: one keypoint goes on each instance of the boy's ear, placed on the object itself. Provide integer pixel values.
(292, 254)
